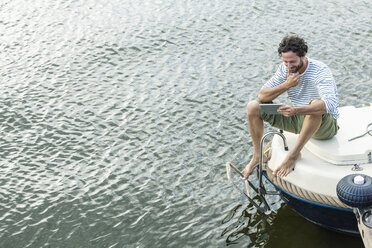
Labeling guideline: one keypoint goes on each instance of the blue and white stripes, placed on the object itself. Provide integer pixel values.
(316, 82)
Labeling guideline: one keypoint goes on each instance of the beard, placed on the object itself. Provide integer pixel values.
(297, 68)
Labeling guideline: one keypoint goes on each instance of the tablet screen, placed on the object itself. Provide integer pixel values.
(270, 108)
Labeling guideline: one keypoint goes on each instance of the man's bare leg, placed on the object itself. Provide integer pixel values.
(309, 127)
(256, 128)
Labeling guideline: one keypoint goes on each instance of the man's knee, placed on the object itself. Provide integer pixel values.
(313, 102)
(253, 107)
(316, 102)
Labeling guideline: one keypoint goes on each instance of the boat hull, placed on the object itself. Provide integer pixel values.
(333, 218)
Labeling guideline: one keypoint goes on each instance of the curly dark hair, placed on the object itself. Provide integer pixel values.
(294, 44)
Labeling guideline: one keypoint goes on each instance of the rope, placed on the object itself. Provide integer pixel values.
(369, 131)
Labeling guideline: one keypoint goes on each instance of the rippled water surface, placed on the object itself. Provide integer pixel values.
(117, 117)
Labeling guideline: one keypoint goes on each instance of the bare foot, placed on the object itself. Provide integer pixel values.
(249, 167)
(287, 166)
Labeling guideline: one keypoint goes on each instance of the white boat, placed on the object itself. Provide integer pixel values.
(323, 188)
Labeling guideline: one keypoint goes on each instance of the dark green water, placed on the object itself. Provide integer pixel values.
(117, 117)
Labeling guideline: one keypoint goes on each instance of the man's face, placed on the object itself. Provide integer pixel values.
(292, 61)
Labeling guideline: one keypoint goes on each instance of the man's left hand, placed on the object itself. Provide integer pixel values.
(287, 110)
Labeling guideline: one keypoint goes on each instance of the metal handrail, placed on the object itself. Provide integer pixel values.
(261, 189)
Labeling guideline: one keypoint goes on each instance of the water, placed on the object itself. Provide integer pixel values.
(117, 117)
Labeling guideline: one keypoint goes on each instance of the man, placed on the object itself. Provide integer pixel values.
(311, 88)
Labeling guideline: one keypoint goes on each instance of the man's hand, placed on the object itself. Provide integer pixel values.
(269, 94)
(287, 110)
(292, 79)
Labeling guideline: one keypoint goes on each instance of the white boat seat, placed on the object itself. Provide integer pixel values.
(339, 150)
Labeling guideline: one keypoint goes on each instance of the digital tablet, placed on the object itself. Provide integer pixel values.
(270, 108)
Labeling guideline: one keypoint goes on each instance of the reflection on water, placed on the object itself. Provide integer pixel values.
(117, 118)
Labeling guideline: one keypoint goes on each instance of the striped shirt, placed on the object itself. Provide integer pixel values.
(315, 83)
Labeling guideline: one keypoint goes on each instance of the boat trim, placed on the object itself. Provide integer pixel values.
(304, 194)
(306, 200)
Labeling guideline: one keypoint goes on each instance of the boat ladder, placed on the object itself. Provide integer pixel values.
(260, 189)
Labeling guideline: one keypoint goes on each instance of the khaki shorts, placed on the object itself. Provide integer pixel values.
(293, 124)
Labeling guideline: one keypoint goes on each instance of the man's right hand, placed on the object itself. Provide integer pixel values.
(292, 79)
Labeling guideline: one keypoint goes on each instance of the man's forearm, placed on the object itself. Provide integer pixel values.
(269, 94)
(318, 106)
